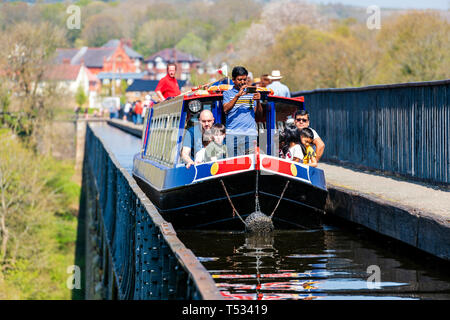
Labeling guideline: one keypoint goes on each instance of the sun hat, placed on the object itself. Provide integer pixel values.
(276, 75)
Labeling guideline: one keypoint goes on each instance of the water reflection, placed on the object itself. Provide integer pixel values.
(323, 263)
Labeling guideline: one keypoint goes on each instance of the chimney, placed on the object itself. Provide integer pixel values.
(66, 61)
(125, 42)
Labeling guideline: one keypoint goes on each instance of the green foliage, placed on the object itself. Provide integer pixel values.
(80, 96)
(415, 47)
(83, 3)
(233, 32)
(194, 45)
(156, 35)
(27, 50)
(5, 97)
(100, 28)
(199, 79)
(337, 49)
(123, 91)
(38, 223)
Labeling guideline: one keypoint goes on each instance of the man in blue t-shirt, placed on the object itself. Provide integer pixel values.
(240, 108)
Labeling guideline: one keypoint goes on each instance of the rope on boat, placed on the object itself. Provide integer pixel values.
(279, 200)
(257, 208)
(257, 221)
(231, 203)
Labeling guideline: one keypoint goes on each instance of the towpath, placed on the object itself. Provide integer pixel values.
(412, 212)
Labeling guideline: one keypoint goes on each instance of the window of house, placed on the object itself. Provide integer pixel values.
(160, 64)
(185, 76)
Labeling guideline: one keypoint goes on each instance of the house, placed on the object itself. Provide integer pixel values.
(106, 66)
(68, 77)
(102, 59)
(135, 57)
(156, 64)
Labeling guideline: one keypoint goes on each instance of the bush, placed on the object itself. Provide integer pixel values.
(39, 223)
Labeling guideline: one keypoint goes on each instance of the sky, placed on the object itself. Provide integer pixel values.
(401, 4)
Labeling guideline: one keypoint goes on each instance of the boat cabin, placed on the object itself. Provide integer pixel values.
(166, 123)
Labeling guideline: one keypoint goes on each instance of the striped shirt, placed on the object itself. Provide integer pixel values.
(241, 118)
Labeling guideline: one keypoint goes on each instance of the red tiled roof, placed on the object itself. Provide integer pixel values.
(65, 72)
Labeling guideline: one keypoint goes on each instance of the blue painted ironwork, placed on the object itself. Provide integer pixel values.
(142, 258)
(402, 129)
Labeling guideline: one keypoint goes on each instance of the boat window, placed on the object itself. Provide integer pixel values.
(163, 133)
(157, 138)
(151, 137)
(261, 125)
(283, 111)
(280, 125)
(207, 106)
(164, 138)
(172, 151)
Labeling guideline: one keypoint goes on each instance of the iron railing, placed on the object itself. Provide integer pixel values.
(402, 129)
(136, 254)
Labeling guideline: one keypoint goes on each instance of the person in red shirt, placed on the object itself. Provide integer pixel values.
(138, 111)
(168, 86)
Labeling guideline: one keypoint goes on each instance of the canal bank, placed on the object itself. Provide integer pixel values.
(413, 213)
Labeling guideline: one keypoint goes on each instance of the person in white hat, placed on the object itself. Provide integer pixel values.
(278, 88)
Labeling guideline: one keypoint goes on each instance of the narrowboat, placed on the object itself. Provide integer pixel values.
(202, 196)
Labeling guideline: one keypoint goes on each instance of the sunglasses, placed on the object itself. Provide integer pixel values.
(301, 120)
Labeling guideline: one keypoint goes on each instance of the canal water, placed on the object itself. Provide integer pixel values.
(326, 260)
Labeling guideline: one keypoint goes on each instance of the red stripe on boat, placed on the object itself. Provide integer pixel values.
(234, 165)
(277, 166)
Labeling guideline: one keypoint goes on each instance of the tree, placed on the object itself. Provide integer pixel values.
(5, 99)
(80, 97)
(27, 50)
(37, 226)
(22, 205)
(317, 58)
(415, 47)
(13, 13)
(100, 28)
(193, 44)
(156, 35)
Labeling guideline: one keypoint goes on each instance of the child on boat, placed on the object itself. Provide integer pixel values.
(306, 139)
(206, 140)
(292, 141)
(216, 149)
